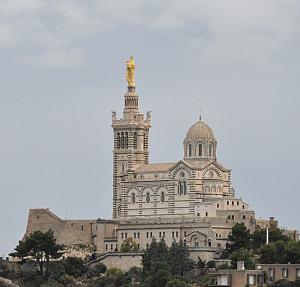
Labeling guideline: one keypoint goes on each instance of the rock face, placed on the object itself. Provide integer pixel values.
(7, 283)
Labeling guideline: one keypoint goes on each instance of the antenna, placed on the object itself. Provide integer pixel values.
(66, 202)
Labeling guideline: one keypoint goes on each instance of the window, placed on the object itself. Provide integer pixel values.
(232, 203)
(81, 227)
(244, 216)
(184, 233)
(164, 234)
(251, 279)
(138, 246)
(196, 242)
(184, 187)
(134, 235)
(133, 198)
(147, 234)
(122, 234)
(200, 149)
(173, 233)
(150, 234)
(206, 213)
(125, 234)
(190, 150)
(232, 216)
(227, 202)
(297, 273)
(135, 140)
(209, 242)
(147, 245)
(176, 233)
(138, 235)
(210, 150)
(160, 234)
(228, 216)
(106, 247)
(148, 197)
(126, 140)
(285, 273)
(198, 214)
(243, 206)
(206, 189)
(238, 203)
(111, 247)
(271, 274)
(162, 197)
(218, 205)
(213, 189)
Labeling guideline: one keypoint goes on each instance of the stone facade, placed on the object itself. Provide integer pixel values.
(190, 200)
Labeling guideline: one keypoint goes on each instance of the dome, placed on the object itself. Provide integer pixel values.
(199, 131)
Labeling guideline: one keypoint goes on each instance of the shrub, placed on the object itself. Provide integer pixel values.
(74, 266)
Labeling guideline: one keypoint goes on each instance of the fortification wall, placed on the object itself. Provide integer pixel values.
(67, 232)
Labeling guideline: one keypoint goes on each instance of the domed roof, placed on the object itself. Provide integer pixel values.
(199, 131)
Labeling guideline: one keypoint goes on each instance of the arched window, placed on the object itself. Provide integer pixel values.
(196, 242)
(118, 140)
(213, 189)
(148, 197)
(200, 149)
(207, 189)
(190, 150)
(145, 141)
(210, 150)
(122, 141)
(180, 187)
(133, 198)
(162, 197)
(184, 187)
(209, 242)
(126, 140)
(135, 140)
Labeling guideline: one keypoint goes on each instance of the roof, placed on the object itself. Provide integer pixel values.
(165, 167)
(199, 131)
(155, 167)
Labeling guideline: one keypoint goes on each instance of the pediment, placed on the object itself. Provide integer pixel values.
(212, 172)
(179, 167)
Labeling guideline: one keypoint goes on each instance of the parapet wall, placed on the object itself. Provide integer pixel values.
(67, 232)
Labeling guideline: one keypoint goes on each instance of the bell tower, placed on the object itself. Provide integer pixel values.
(131, 134)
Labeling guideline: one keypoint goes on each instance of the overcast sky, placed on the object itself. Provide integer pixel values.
(62, 71)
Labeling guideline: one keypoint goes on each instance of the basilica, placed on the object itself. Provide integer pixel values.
(191, 200)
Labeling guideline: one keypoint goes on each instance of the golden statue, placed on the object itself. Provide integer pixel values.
(130, 66)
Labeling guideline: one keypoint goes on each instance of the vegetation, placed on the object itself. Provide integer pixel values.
(285, 283)
(40, 246)
(250, 248)
(129, 245)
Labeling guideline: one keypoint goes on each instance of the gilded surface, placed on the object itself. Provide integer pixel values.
(130, 66)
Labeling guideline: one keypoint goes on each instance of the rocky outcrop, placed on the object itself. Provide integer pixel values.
(7, 283)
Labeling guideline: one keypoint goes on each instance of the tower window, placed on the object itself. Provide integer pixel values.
(135, 140)
(148, 197)
(162, 197)
(210, 150)
(200, 148)
(126, 141)
(133, 198)
(190, 150)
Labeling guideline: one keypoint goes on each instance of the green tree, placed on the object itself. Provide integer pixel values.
(242, 255)
(239, 238)
(74, 266)
(259, 237)
(156, 253)
(129, 245)
(40, 246)
(158, 276)
(179, 258)
(176, 282)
